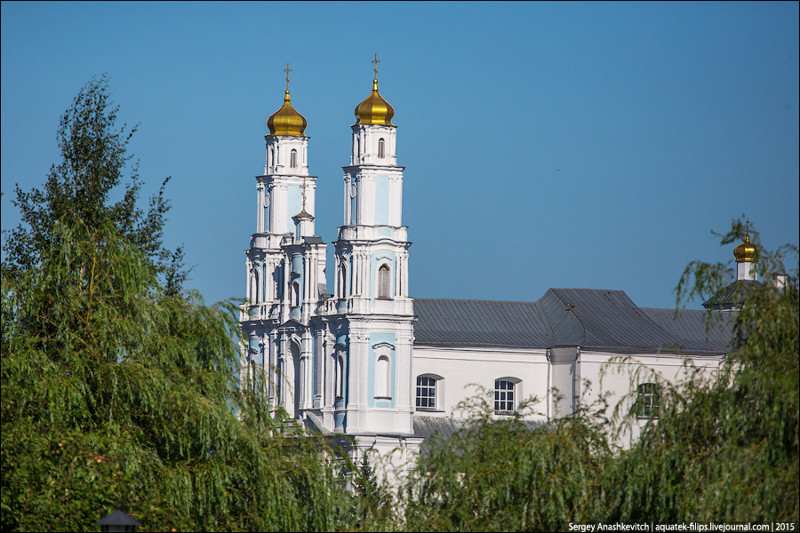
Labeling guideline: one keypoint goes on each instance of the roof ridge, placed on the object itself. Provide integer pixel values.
(475, 300)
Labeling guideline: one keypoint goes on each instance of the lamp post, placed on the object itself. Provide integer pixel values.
(117, 521)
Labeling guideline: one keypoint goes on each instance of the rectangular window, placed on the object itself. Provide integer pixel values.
(647, 398)
(503, 396)
(426, 392)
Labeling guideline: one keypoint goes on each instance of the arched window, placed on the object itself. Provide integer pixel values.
(381, 148)
(382, 376)
(293, 158)
(339, 385)
(429, 392)
(277, 279)
(384, 282)
(280, 388)
(343, 280)
(505, 390)
(295, 295)
(296, 381)
(254, 287)
(647, 398)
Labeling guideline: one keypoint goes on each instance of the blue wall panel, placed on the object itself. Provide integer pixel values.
(381, 200)
(378, 338)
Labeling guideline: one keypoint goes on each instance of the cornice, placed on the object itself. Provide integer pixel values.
(367, 166)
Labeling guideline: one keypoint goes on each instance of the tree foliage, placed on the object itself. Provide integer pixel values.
(94, 159)
(509, 475)
(724, 447)
(727, 451)
(116, 385)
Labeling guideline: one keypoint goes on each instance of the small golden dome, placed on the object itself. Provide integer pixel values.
(745, 251)
(287, 121)
(304, 214)
(375, 110)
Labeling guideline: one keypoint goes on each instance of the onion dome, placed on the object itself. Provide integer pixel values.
(375, 110)
(745, 251)
(287, 121)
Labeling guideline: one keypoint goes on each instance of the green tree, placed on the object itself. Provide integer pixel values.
(117, 385)
(371, 501)
(93, 162)
(726, 450)
(509, 475)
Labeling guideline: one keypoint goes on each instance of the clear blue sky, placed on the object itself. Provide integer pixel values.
(545, 145)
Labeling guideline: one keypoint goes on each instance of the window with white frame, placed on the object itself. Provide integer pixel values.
(293, 158)
(381, 148)
(428, 393)
(505, 392)
(384, 282)
(647, 398)
(383, 371)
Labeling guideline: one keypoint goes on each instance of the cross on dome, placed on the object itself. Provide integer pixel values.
(303, 213)
(286, 121)
(375, 109)
(287, 70)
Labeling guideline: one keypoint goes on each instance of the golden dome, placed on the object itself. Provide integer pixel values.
(745, 251)
(287, 121)
(375, 110)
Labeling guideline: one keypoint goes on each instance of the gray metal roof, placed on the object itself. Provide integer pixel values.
(477, 323)
(428, 426)
(731, 296)
(699, 329)
(593, 319)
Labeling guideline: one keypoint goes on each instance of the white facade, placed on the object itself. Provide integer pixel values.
(347, 362)
(340, 362)
(463, 371)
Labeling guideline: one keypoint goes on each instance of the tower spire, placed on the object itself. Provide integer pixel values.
(303, 213)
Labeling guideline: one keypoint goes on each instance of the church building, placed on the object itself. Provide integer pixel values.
(364, 359)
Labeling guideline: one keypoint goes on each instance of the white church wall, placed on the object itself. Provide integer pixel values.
(460, 368)
(620, 376)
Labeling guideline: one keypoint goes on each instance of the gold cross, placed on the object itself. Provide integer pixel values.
(287, 70)
(375, 62)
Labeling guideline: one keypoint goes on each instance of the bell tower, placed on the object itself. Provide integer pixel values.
(285, 266)
(374, 314)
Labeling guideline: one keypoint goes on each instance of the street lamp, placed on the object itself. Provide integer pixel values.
(117, 521)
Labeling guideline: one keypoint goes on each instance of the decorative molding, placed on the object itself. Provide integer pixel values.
(382, 344)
